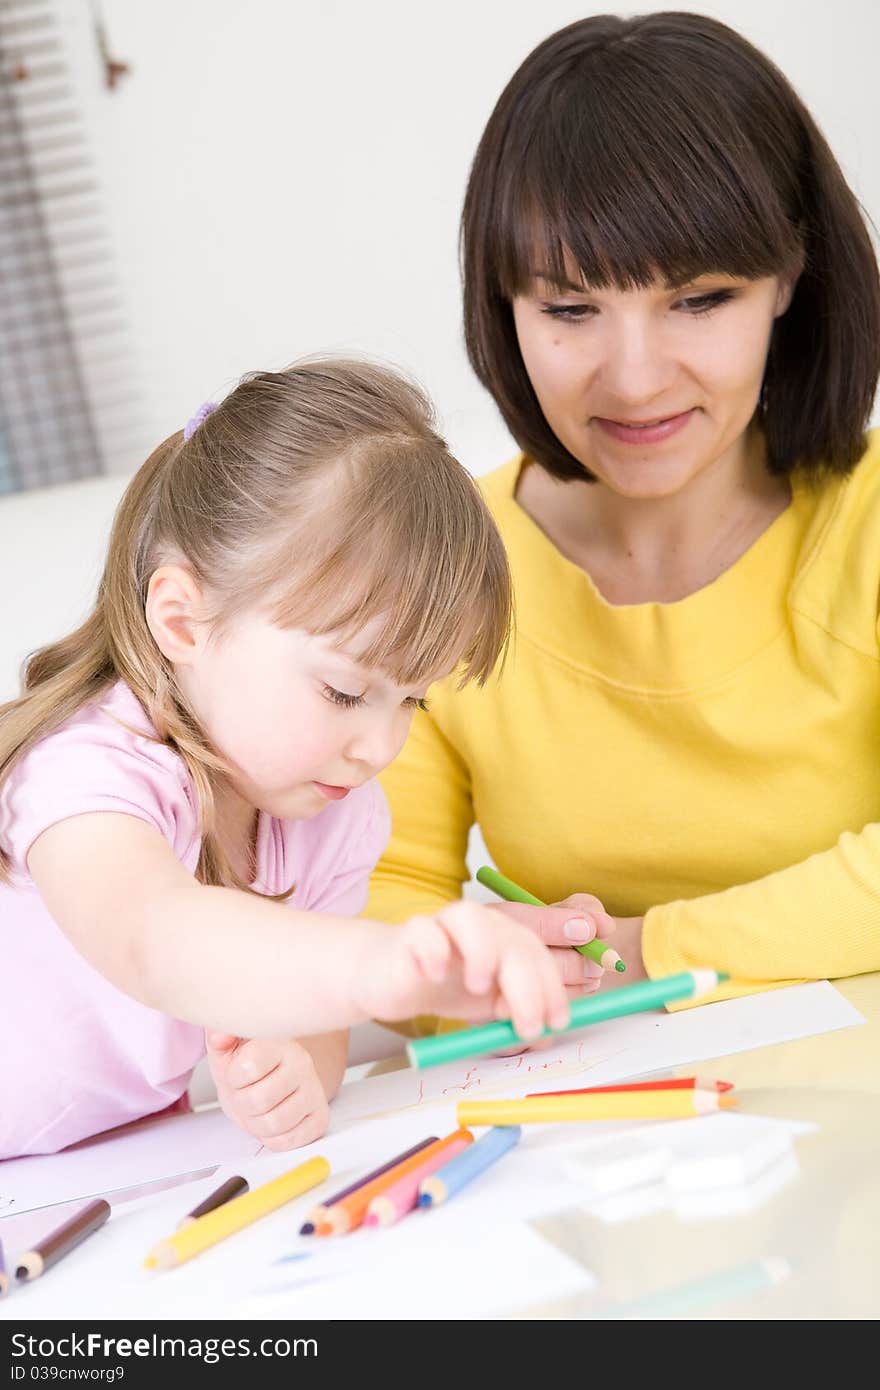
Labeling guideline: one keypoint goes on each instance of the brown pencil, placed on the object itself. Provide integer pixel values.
(231, 1188)
(62, 1240)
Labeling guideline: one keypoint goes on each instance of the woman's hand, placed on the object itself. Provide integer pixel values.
(270, 1088)
(467, 961)
(627, 942)
(572, 922)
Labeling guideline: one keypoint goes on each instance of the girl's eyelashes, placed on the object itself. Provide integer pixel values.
(691, 304)
(339, 697)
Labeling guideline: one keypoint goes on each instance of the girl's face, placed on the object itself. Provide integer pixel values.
(649, 387)
(299, 721)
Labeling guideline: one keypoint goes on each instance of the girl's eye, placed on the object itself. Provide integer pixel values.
(568, 313)
(702, 303)
(413, 702)
(339, 697)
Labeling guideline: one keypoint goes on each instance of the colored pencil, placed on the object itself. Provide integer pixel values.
(544, 1110)
(4, 1277)
(233, 1216)
(403, 1195)
(58, 1243)
(596, 950)
(233, 1187)
(346, 1215)
(595, 1008)
(677, 1083)
(318, 1215)
(467, 1165)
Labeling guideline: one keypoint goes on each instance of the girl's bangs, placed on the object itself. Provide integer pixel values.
(420, 623)
(405, 569)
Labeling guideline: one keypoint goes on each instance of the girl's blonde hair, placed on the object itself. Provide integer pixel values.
(323, 492)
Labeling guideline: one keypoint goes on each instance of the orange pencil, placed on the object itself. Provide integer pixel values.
(344, 1216)
(403, 1196)
(676, 1083)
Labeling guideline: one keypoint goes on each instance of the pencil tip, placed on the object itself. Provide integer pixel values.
(726, 1102)
(619, 967)
(307, 1229)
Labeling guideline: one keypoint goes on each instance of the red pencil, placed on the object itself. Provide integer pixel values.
(675, 1083)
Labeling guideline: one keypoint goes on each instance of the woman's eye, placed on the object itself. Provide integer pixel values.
(413, 702)
(702, 303)
(339, 697)
(568, 313)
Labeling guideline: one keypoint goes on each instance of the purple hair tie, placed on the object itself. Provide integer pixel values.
(205, 409)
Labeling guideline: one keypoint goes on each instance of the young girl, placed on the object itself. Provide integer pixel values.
(188, 816)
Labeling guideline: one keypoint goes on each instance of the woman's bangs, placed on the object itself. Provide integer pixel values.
(645, 202)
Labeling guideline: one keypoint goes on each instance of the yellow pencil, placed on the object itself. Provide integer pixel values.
(241, 1211)
(622, 1105)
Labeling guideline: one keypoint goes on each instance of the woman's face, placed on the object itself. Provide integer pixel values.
(647, 388)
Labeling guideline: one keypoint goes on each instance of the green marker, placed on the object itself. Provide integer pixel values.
(597, 950)
(594, 1008)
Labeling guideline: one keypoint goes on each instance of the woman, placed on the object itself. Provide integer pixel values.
(673, 299)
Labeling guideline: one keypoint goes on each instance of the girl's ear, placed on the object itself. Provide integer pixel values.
(174, 610)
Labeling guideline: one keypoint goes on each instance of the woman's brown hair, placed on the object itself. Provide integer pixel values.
(665, 147)
(325, 495)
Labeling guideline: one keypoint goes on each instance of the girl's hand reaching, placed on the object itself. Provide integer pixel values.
(270, 1088)
(572, 922)
(466, 961)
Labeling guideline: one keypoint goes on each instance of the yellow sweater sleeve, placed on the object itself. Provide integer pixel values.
(815, 920)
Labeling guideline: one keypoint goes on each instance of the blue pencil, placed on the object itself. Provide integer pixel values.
(459, 1171)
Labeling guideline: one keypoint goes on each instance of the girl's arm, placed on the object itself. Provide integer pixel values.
(243, 965)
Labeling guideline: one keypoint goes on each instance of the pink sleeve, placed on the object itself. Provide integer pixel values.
(94, 764)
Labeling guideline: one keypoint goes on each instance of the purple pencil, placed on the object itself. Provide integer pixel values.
(4, 1277)
(319, 1213)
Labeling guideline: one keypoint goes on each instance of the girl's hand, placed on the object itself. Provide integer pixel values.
(572, 922)
(270, 1088)
(467, 961)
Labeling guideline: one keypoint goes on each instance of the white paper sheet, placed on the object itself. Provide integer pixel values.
(141, 1153)
(609, 1052)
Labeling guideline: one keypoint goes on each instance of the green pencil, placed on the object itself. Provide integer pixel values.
(596, 950)
(595, 1008)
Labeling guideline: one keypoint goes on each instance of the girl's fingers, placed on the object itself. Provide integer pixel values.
(523, 990)
(474, 932)
(264, 1096)
(556, 1010)
(293, 1132)
(427, 945)
(253, 1061)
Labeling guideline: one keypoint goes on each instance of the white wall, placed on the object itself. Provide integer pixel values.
(284, 178)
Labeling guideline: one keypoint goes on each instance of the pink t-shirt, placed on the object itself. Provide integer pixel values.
(78, 1055)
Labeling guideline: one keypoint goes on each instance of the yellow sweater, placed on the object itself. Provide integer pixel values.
(713, 763)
